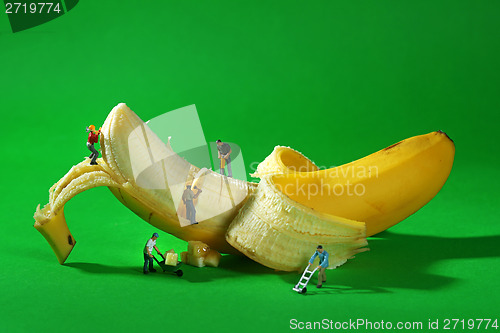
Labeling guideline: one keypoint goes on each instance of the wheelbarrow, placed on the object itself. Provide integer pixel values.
(168, 268)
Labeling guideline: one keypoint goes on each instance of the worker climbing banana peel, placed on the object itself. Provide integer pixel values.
(276, 222)
(93, 138)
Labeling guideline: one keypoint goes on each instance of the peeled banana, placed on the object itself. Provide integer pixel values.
(296, 206)
(136, 165)
(277, 222)
(279, 232)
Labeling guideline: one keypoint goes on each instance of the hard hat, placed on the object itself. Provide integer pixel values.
(92, 127)
(156, 235)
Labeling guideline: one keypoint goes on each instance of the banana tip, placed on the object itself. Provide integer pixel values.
(441, 132)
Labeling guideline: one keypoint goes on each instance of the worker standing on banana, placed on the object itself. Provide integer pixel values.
(93, 138)
(323, 264)
(187, 197)
(224, 154)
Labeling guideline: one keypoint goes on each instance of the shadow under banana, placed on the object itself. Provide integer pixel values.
(396, 261)
(401, 261)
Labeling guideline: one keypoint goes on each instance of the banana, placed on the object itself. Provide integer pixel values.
(380, 189)
(296, 210)
(145, 175)
(277, 222)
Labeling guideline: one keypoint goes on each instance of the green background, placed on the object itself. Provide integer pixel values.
(336, 80)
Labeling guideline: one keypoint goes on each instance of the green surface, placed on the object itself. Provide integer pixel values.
(336, 80)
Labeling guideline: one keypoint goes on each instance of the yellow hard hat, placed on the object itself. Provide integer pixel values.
(92, 127)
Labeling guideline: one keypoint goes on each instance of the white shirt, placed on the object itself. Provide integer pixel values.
(150, 244)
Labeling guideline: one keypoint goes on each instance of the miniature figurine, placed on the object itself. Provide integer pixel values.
(148, 256)
(93, 138)
(187, 197)
(224, 154)
(323, 264)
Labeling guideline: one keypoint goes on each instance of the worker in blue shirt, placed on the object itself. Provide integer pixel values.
(323, 264)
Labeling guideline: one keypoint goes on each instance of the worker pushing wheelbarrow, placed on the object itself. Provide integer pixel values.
(169, 264)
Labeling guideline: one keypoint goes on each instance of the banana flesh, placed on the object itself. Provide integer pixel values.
(200, 254)
(284, 160)
(280, 233)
